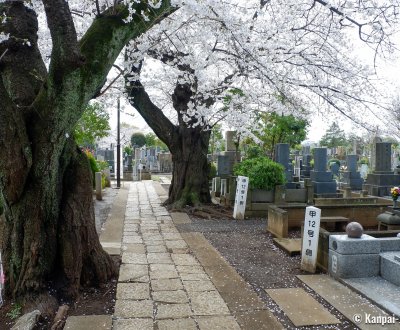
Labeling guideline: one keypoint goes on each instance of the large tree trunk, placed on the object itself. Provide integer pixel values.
(50, 231)
(189, 184)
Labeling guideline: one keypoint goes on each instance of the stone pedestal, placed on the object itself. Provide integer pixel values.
(353, 257)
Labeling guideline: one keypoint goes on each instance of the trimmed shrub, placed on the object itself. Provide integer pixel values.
(263, 173)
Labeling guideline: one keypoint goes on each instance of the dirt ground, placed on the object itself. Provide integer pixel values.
(249, 248)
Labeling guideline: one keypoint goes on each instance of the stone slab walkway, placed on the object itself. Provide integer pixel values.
(346, 301)
(162, 285)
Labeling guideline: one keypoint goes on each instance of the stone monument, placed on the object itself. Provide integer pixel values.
(282, 156)
(382, 179)
(351, 177)
(322, 180)
(305, 166)
(229, 157)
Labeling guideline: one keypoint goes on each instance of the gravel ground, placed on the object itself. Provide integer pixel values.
(249, 248)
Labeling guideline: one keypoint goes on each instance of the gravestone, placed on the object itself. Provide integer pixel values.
(305, 166)
(335, 168)
(351, 177)
(282, 156)
(373, 150)
(322, 180)
(382, 178)
(137, 153)
(230, 141)
(129, 163)
(306, 150)
(224, 165)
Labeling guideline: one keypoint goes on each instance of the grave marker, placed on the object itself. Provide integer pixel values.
(240, 197)
(310, 239)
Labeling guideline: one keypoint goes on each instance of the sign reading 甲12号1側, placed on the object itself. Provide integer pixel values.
(242, 184)
(310, 239)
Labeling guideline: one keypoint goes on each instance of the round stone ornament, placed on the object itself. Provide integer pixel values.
(354, 230)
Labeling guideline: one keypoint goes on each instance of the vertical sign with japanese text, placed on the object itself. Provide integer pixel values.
(240, 197)
(310, 239)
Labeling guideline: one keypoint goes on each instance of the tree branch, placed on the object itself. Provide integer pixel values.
(62, 29)
(152, 114)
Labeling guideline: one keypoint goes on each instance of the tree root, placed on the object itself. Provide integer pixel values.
(205, 211)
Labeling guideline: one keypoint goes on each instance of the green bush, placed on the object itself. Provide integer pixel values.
(363, 160)
(94, 166)
(212, 170)
(254, 151)
(262, 172)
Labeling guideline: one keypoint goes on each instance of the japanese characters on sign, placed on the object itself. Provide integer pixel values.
(310, 239)
(240, 197)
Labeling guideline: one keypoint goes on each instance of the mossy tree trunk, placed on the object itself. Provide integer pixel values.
(187, 144)
(45, 180)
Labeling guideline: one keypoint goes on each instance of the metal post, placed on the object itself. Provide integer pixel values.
(118, 148)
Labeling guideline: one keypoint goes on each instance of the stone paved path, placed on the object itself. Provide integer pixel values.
(161, 284)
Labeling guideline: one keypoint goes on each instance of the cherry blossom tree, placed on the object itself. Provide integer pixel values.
(54, 58)
(283, 57)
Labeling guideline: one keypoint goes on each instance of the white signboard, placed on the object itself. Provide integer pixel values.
(240, 198)
(310, 239)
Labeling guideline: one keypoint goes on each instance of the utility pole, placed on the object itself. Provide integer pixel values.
(118, 148)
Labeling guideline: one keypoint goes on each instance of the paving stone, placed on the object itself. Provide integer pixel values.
(208, 303)
(162, 267)
(195, 277)
(217, 322)
(159, 258)
(133, 291)
(133, 308)
(156, 249)
(131, 227)
(177, 324)
(179, 251)
(258, 319)
(301, 308)
(183, 269)
(170, 297)
(133, 273)
(133, 324)
(132, 220)
(203, 285)
(179, 244)
(88, 322)
(134, 248)
(172, 236)
(344, 299)
(160, 274)
(173, 311)
(134, 258)
(184, 260)
(166, 284)
(132, 239)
